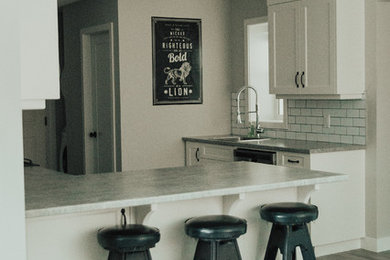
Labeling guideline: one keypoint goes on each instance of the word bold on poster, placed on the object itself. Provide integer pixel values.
(177, 66)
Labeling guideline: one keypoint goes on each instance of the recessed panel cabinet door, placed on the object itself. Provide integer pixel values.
(192, 153)
(284, 49)
(39, 53)
(318, 47)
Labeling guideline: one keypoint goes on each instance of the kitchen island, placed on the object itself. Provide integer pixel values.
(64, 212)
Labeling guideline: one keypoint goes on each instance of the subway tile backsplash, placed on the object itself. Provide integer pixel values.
(306, 121)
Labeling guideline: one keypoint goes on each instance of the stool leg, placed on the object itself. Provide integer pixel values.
(116, 256)
(217, 250)
(206, 250)
(306, 245)
(139, 255)
(228, 250)
(273, 242)
(288, 246)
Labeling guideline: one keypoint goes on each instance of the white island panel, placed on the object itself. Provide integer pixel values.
(64, 212)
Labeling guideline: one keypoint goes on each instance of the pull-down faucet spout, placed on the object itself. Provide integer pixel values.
(258, 130)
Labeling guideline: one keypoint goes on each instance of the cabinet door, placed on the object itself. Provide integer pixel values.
(283, 48)
(39, 53)
(317, 43)
(193, 153)
(341, 205)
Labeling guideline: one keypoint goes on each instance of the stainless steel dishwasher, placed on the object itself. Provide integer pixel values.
(266, 157)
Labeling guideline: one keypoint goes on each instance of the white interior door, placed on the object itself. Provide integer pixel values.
(99, 113)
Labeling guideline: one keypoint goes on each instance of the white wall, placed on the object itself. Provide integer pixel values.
(12, 225)
(378, 136)
(151, 135)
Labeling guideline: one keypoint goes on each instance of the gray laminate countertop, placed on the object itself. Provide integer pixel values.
(48, 192)
(275, 144)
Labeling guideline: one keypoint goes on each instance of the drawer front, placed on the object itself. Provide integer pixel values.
(294, 160)
(218, 152)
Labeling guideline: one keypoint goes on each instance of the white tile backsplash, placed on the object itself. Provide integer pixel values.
(306, 121)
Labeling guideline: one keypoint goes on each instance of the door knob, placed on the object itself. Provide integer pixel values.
(93, 134)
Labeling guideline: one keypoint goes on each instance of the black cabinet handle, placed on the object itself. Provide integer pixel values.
(93, 134)
(292, 161)
(197, 154)
(296, 79)
(303, 85)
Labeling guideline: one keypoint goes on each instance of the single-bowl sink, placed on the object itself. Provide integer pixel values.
(240, 139)
(246, 139)
(231, 138)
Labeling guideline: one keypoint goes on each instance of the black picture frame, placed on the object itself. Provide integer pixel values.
(177, 61)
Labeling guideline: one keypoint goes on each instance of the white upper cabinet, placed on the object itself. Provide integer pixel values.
(39, 53)
(317, 49)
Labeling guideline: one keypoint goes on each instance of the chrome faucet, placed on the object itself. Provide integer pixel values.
(257, 127)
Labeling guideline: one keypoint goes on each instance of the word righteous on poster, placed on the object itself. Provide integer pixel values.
(177, 64)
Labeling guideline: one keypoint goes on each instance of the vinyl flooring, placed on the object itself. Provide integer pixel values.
(359, 254)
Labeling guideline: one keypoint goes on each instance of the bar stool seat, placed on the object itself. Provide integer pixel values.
(128, 242)
(289, 213)
(289, 229)
(217, 236)
(215, 227)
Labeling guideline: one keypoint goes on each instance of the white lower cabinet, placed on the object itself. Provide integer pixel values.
(200, 154)
(341, 205)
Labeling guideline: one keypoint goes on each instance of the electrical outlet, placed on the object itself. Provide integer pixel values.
(327, 121)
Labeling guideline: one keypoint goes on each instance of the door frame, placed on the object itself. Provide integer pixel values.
(85, 35)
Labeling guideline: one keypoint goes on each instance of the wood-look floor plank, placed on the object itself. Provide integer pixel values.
(359, 254)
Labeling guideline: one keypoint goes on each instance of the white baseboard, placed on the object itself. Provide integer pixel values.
(367, 243)
(337, 247)
(376, 244)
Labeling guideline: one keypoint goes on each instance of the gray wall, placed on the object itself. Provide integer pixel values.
(151, 135)
(77, 16)
(241, 10)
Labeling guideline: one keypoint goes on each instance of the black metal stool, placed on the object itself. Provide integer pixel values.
(289, 229)
(217, 236)
(128, 242)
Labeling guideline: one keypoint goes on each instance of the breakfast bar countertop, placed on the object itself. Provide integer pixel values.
(276, 144)
(48, 192)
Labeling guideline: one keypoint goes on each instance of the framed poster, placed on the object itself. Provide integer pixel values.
(177, 61)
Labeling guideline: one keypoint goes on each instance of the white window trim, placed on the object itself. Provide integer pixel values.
(263, 124)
